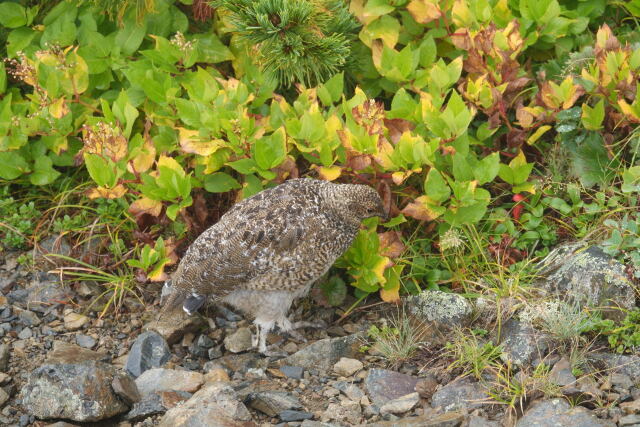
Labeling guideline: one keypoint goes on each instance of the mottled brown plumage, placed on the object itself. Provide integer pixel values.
(267, 250)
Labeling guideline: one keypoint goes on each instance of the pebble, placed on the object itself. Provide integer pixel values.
(4, 357)
(401, 404)
(272, 403)
(427, 386)
(289, 415)
(384, 385)
(159, 379)
(74, 321)
(214, 353)
(85, 341)
(629, 420)
(125, 387)
(26, 333)
(346, 367)
(28, 318)
(150, 350)
(238, 341)
(4, 396)
(294, 372)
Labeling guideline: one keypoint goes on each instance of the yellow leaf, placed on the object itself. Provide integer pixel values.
(107, 193)
(145, 205)
(190, 142)
(143, 159)
(379, 268)
(390, 295)
(461, 15)
(58, 108)
(628, 110)
(170, 163)
(420, 209)
(424, 11)
(158, 274)
(329, 173)
(537, 134)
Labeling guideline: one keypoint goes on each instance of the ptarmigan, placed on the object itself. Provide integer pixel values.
(268, 250)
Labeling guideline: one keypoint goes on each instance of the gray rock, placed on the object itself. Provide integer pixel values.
(4, 357)
(78, 392)
(444, 308)
(449, 419)
(288, 416)
(215, 405)
(346, 412)
(214, 352)
(458, 395)
(52, 245)
(629, 420)
(125, 387)
(309, 423)
(350, 390)
(621, 381)
(159, 379)
(559, 413)
(44, 291)
(26, 333)
(4, 396)
(521, 343)
(85, 341)
(561, 373)
(294, 372)
(401, 404)
(272, 402)
(476, 421)
(238, 341)
(156, 403)
(201, 346)
(383, 385)
(617, 363)
(426, 386)
(587, 277)
(28, 318)
(174, 327)
(323, 354)
(150, 350)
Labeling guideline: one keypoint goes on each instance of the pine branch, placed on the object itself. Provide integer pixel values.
(304, 41)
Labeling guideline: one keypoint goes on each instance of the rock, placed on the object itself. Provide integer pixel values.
(347, 412)
(521, 343)
(201, 346)
(156, 403)
(621, 381)
(561, 373)
(64, 352)
(25, 334)
(632, 407)
(294, 372)
(587, 277)
(44, 291)
(559, 413)
(383, 385)
(323, 354)
(459, 395)
(74, 321)
(159, 379)
(242, 362)
(449, 419)
(427, 386)
(4, 357)
(4, 396)
(214, 405)
(476, 421)
(401, 404)
(444, 308)
(79, 392)
(618, 363)
(629, 420)
(272, 402)
(51, 245)
(28, 318)
(216, 374)
(214, 353)
(288, 416)
(85, 341)
(238, 341)
(346, 367)
(309, 423)
(125, 387)
(350, 390)
(173, 328)
(150, 350)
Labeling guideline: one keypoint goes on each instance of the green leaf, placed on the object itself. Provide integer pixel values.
(487, 169)
(220, 182)
(334, 290)
(244, 166)
(12, 15)
(518, 170)
(130, 36)
(12, 165)
(3, 78)
(18, 40)
(270, 151)
(43, 172)
(435, 187)
(100, 170)
(592, 118)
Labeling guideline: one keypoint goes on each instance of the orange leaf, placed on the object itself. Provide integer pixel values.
(390, 295)
(391, 244)
(419, 210)
(107, 193)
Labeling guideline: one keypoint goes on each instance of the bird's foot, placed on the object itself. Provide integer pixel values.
(296, 335)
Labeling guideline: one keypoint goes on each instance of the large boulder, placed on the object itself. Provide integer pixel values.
(587, 276)
(74, 391)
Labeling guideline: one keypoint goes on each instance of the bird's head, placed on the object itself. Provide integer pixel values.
(360, 202)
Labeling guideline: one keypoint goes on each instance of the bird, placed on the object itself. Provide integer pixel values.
(269, 249)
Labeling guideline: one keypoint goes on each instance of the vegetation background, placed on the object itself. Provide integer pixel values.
(493, 130)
